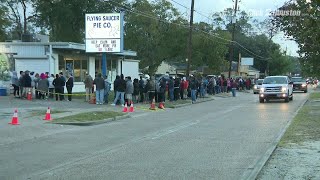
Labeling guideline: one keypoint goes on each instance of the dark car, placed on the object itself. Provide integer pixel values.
(299, 84)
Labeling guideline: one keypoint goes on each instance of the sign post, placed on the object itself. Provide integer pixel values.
(104, 34)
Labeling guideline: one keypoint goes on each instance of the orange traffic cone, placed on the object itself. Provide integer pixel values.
(153, 105)
(161, 105)
(131, 107)
(29, 95)
(15, 120)
(48, 115)
(125, 109)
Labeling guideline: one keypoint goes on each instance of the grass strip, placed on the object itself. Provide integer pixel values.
(88, 116)
(306, 124)
(43, 112)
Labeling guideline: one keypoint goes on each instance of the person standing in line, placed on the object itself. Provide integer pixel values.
(162, 90)
(57, 82)
(233, 87)
(15, 84)
(36, 80)
(88, 83)
(51, 86)
(185, 88)
(106, 90)
(193, 87)
(151, 88)
(21, 83)
(27, 83)
(63, 85)
(176, 88)
(121, 88)
(136, 90)
(171, 89)
(43, 86)
(100, 85)
(129, 90)
(141, 89)
(69, 85)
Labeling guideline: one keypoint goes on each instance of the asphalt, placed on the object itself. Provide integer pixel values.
(221, 139)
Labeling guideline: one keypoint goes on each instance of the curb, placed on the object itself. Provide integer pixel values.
(257, 167)
(90, 123)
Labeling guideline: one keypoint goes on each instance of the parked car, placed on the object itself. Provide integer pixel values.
(256, 87)
(276, 87)
(299, 84)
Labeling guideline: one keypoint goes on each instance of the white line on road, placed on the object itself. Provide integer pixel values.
(175, 129)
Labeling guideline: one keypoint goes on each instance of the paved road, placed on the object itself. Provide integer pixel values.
(220, 139)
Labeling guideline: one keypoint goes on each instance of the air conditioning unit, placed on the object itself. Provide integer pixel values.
(27, 38)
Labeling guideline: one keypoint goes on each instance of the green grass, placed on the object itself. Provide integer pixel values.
(169, 104)
(88, 116)
(43, 112)
(305, 126)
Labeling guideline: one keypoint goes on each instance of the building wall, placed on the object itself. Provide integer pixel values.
(165, 67)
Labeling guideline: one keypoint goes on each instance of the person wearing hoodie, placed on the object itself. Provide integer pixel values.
(121, 88)
(43, 86)
(26, 83)
(15, 83)
(129, 90)
(51, 86)
(21, 83)
(151, 88)
(100, 85)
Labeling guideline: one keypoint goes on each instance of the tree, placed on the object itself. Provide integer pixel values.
(304, 26)
(4, 22)
(65, 19)
(153, 30)
(17, 13)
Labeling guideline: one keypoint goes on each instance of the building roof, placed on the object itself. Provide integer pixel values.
(64, 45)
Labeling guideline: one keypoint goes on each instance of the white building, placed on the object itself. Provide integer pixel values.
(67, 57)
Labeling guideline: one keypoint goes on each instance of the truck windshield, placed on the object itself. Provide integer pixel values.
(275, 80)
(298, 80)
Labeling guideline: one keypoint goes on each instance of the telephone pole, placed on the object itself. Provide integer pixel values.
(232, 37)
(190, 39)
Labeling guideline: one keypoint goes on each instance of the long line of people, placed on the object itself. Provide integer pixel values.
(144, 90)
(41, 86)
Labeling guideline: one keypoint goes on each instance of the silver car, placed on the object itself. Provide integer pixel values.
(257, 86)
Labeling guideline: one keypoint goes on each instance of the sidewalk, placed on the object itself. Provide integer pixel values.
(297, 154)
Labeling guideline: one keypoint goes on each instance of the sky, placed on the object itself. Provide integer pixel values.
(258, 8)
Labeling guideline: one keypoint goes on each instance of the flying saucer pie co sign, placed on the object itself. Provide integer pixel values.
(104, 32)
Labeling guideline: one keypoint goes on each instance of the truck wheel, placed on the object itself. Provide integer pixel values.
(291, 98)
(305, 91)
(261, 100)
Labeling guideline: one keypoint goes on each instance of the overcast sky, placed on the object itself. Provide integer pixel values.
(259, 8)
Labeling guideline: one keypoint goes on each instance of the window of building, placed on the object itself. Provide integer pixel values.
(77, 66)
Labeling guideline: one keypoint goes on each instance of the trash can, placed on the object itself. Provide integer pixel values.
(3, 91)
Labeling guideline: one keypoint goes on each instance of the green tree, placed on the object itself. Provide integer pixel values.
(4, 22)
(65, 19)
(152, 29)
(304, 27)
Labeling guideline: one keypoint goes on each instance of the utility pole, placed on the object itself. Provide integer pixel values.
(232, 37)
(190, 39)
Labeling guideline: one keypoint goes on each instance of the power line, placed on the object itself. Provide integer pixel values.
(147, 15)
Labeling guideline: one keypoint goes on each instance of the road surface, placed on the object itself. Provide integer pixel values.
(220, 139)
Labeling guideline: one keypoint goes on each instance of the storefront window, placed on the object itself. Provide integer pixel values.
(77, 66)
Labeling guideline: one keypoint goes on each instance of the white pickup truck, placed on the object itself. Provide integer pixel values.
(276, 87)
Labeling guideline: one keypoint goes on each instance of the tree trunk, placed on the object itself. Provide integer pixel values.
(24, 17)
